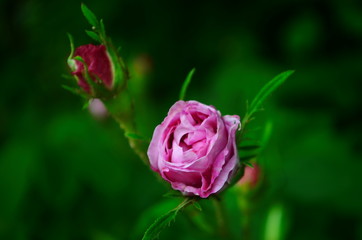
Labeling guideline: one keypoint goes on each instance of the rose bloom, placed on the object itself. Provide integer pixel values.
(98, 63)
(194, 148)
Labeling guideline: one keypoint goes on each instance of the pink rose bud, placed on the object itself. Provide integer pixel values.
(99, 66)
(194, 148)
(251, 176)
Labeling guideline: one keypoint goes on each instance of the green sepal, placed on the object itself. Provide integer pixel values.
(87, 76)
(119, 69)
(71, 42)
(75, 91)
(70, 61)
(80, 59)
(97, 87)
(197, 205)
(186, 84)
(71, 89)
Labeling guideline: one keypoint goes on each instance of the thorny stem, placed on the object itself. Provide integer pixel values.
(122, 110)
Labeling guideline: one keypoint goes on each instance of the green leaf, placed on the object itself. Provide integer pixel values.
(265, 92)
(93, 35)
(89, 15)
(164, 221)
(186, 84)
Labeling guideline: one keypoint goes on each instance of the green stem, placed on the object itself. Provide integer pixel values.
(221, 218)
(246, 221)
(122, 110)
(184, 203)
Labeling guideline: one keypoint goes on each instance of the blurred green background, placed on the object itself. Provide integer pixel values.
(67, 175)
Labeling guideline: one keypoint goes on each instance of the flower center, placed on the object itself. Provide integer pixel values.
(194, 141)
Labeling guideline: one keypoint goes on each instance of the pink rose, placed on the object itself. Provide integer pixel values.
(98, 63)
(194, 148)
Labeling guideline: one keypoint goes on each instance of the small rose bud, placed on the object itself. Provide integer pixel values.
(194, 148)
(98, 67)
(97, 109)
(251, 176)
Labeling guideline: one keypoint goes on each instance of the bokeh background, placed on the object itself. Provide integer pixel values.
(65, 174)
